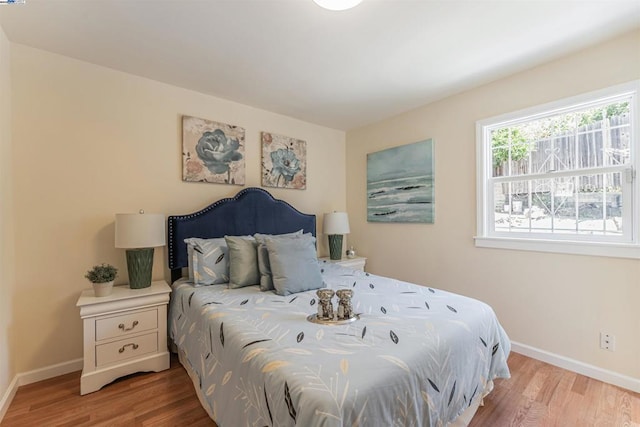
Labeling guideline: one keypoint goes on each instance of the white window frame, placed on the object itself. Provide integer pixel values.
(627, 246)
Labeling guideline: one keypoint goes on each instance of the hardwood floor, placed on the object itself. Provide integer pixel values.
(147, 399)
(537, 394)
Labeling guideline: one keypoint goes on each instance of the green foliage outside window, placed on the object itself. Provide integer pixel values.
(597, 115)
(520, 140)
(504, 138)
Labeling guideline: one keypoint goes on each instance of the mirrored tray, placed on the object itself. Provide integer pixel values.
(314, 319)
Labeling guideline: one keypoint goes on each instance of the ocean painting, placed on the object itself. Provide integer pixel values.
(400, 185)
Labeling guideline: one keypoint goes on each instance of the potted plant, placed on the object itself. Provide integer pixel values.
(102, 277)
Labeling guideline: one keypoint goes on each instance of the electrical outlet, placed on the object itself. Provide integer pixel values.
(607, 341)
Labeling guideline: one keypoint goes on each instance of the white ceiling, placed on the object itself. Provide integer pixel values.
(338, 69)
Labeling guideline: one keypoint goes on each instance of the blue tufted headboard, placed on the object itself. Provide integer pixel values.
(252, 210)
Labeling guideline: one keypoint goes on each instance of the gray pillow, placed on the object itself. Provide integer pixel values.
(294, 264)
(243, 261)
(189, 258)
(266, 282)
(208, 261)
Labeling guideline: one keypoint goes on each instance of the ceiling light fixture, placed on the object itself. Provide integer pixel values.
(337, 4)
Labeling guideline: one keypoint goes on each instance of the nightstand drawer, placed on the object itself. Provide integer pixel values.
(113, 327)
(126, 349)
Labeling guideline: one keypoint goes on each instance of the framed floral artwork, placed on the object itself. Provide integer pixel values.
(212, 152)
(284, 162)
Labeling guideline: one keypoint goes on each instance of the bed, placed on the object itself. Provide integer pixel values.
(417, 356)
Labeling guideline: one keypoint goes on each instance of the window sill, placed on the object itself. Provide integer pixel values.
(613, 250)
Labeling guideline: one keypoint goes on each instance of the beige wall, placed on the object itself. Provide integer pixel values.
(89, 142)
(557, 303)
(6, 206)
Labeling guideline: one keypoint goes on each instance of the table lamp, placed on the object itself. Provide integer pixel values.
(335, 224)
(139, 234)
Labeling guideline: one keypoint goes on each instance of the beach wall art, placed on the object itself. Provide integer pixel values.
(284, 161)
(400, 184)
(212, 152)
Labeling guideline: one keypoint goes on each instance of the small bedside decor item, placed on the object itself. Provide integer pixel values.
(139, 234)
(102, 277)
(334, 226)
(351, 253)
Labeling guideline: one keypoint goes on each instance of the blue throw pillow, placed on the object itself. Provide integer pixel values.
(294, 265)
(266, 282)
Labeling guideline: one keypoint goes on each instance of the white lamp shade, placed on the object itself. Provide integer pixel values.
(139, 230)
(335, 223)
(337, 4)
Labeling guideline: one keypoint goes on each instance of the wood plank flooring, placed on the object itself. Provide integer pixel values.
(146, 399)
(537, 394)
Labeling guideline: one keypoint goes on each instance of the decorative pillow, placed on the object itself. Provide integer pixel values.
(243, 261)
(190, 242)
(294, 265)
(266, 282)
(189, 256)
(208, 261)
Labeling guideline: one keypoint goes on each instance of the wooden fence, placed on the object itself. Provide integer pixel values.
(603, 143)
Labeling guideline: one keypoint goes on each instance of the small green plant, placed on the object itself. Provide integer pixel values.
(102, 273)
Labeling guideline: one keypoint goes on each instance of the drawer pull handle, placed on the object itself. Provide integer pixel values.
(134, 346)
(133, 325)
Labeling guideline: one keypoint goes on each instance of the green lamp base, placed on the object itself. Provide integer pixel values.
(139, 264)
(335, 246)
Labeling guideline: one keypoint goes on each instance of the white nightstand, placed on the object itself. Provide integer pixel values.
(124, 332)
(357, 263)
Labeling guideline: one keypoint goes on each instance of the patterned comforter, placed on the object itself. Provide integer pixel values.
(417, 356)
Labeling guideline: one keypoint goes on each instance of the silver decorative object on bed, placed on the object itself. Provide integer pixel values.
(325, 306)
(313, 318)
(345, 309)
(326, 313)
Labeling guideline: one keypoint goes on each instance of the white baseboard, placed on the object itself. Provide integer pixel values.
(578, 367)
(8, 397)
(49, 372)
(35, 376)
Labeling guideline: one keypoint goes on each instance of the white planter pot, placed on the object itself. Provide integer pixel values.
(103, 289)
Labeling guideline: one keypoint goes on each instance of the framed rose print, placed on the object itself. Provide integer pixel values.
(284, 162)
(212, 152)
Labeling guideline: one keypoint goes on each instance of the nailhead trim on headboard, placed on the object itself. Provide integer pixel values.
(173, 220)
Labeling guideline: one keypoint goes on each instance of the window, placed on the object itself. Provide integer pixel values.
(561, 177)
